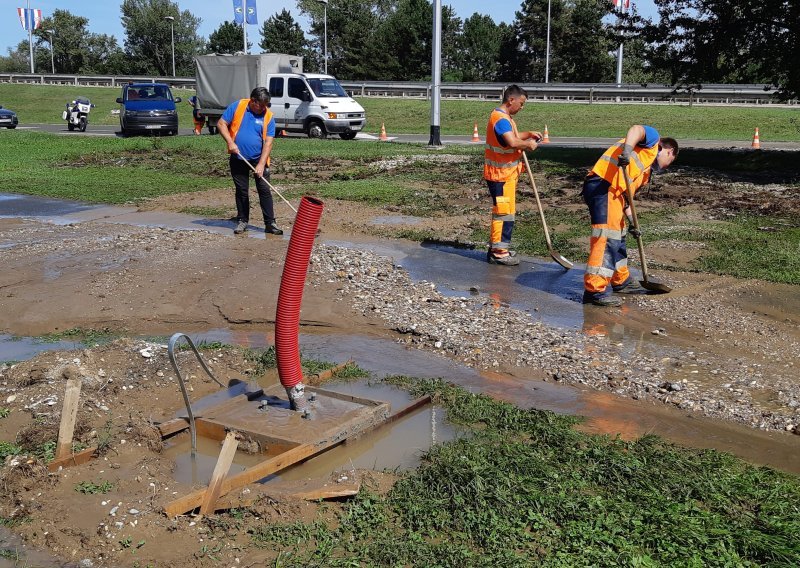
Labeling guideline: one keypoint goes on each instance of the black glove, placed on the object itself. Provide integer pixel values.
(636, 233)
(623, 160)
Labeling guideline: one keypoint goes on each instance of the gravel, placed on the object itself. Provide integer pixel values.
(481, 333)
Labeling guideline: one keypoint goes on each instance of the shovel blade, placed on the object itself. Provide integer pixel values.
(561, 260)
(656, 287)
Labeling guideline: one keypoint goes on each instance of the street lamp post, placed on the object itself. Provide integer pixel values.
(52, 57)
(325, 36)
(171, 20)
(547, 57)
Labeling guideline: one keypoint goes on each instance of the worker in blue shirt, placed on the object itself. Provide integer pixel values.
(248, 128)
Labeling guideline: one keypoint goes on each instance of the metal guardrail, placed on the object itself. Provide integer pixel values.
(561, 92)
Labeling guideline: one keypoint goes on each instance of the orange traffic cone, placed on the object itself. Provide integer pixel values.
(756, 145)
(383, 132)
(475, 137)
(546, 136)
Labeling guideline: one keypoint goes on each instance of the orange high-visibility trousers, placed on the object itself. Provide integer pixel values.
(503, 212)
(608, 255)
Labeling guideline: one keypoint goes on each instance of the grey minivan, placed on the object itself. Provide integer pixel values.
(148, 108)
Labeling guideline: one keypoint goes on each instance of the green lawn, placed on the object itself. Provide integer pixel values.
(44, 103)
(523, 488)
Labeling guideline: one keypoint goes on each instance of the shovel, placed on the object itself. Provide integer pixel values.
(554, 253)
(268, 184)
(646, 283)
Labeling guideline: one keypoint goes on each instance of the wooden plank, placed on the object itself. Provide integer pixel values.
(173, 426)
(69, 414)
(73, 459)
(220, 471)
(330, 439)
(323, 376)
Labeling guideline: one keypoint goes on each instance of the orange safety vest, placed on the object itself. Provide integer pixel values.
(238, 115)
(500, 163)
(638, 169)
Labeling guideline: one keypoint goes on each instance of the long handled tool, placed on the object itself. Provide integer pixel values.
(646, 283)
(554, 253)
(272, 187)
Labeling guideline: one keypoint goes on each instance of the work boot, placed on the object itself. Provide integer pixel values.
(607, 301)
(505, 260)
(630, 287)
(273, 229)
(241, 227)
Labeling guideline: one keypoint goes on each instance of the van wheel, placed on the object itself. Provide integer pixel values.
(316, 129)
(347, 135)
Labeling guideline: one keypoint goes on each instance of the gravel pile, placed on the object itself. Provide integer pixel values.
(481, 333)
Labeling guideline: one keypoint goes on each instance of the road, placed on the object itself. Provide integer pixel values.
(556, 141)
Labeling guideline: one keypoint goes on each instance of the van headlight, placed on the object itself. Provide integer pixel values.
(130, 113)
(171, 112)
(333, 115)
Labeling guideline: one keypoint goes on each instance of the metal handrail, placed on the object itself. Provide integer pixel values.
(171, 351)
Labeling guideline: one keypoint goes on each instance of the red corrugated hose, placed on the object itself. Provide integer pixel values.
(290, 295)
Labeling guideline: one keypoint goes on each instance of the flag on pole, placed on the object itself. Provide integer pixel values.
(250, 12)
(622, 5)
(238, 12)
(30, 18)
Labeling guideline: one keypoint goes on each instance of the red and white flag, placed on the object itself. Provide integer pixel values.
(30, 18)
(622, 5)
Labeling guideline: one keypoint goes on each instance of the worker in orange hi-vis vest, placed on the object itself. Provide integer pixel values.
(501, 168)
(248, 128)
(641, 152)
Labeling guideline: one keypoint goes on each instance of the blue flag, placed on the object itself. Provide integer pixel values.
(250, 12)
(238, 12)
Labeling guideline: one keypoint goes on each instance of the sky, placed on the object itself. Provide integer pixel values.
(104, 16)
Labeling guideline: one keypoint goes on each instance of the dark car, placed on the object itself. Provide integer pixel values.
(8, 118)
(148, 108)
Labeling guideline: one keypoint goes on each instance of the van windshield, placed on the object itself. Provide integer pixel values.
(149, 93)
(326, 87)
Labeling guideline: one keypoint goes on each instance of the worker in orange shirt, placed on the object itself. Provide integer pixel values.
(501, 167)
(641, 152)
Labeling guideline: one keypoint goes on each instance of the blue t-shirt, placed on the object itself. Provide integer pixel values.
(248, 138)
(651, 137)
(501, 127)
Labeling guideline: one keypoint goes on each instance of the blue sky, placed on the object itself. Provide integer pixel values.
(104, 16)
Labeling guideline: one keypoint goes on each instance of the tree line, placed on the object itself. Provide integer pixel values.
(688, 42)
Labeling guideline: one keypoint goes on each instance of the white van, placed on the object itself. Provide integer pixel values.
(309, 103)
(314, 104)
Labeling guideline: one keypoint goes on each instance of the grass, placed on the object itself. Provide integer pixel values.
(91, 488)
(85, 336)
(4, 412)
(526, 489)
(44, 103)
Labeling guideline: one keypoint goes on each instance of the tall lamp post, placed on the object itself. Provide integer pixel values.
(325, 37)
(547, 57)
(171, 20)
(52, 57)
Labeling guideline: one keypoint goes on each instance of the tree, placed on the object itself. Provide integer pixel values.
(480, 49)
(730, 41)
(227, 38)
(148, 42)
(585, 44)
(527, 61)
(281, 34)
(407, 35)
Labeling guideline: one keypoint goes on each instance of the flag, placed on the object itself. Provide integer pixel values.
(30, 18)
(622, 5)
(250, 12)
(238, 12)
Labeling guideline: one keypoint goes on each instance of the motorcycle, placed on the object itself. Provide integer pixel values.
(77, 114)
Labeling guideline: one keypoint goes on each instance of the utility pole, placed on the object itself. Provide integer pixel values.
(29, 24)
(622, 6)
(171, 20)
(436, 67)
(325, 37)
(547, 56)
(52, 57)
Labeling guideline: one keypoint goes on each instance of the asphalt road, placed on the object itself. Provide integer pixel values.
(558, 141)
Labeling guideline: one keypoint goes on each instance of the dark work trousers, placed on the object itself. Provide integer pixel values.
(241, 180)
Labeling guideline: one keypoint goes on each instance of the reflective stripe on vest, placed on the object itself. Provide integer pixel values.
(238, 115)
(638, 170)
(500, 163)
